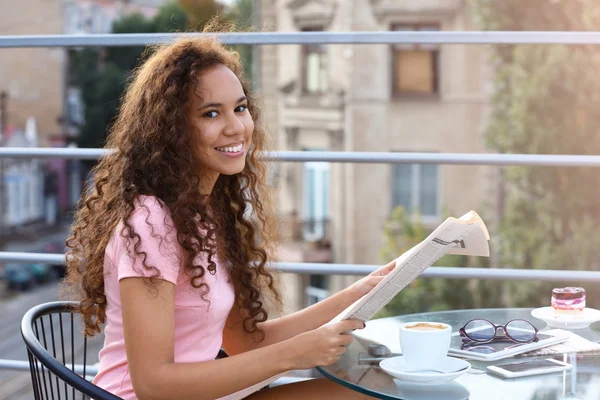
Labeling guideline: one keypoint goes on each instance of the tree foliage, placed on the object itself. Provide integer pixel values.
(545, 102)
(101, 87)
(242, 14)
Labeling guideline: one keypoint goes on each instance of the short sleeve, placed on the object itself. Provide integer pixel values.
(158, 239)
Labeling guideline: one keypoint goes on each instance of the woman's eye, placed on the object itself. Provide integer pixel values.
(210, 114)
(241, 108)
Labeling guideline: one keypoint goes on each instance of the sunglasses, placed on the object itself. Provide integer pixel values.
(479, 331)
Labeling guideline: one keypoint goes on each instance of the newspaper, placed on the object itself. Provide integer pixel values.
(466, 235)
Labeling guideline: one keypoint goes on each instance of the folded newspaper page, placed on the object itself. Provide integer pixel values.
(466, 235)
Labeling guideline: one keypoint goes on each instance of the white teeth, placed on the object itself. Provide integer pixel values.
(230, 149)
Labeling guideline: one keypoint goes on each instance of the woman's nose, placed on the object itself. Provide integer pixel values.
(233, 125)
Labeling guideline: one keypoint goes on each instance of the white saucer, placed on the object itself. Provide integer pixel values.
(452, 368)
(579, 321)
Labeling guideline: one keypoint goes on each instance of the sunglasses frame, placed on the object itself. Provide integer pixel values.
(495, 337)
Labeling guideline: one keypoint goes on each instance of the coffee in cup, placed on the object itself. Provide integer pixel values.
(425, 344)
(426, 326)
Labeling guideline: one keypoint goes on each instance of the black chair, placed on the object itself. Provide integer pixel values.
(57, 351)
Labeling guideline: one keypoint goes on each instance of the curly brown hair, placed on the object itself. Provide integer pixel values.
(153, 156)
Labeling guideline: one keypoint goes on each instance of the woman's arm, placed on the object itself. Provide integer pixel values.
(235, 340)
(149, 325)
(322, 312)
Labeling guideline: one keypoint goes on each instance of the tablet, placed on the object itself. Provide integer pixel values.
(499, 350)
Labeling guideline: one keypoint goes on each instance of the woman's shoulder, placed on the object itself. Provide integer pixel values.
(150, 209)
(150, 219)
(149, 203)
(148, 238)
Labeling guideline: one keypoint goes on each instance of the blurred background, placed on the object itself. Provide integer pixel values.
(524, 99)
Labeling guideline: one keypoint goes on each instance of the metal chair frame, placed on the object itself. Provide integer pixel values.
(43, 354)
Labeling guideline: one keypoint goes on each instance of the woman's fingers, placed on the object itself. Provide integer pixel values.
(385, 269)
(374, 280)
(345, 339)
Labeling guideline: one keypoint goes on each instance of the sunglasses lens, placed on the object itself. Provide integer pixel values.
(520, 331)
(480, 330)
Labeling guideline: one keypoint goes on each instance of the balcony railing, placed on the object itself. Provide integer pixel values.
(365, 38)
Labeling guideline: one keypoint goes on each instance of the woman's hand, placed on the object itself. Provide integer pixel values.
(322, 346)
(366, 284)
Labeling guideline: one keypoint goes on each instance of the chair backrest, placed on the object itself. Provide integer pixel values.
(57, 351)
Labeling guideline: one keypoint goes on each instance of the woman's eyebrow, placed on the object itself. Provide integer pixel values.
(217, 105)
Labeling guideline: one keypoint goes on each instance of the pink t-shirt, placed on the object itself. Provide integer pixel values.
(198, 324)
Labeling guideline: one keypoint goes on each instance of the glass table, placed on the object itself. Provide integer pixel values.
(582, 382)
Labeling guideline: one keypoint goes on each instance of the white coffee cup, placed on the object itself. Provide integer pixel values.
(425, 344)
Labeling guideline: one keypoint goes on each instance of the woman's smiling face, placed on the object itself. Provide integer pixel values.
(219, 118)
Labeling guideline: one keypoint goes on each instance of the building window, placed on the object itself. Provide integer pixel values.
(415, 66)
(416, 188)
(314, 66)
(315, 200)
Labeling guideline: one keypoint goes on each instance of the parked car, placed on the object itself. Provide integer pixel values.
(24, 276)
(57, 247)
(41, 272)
(18, 277)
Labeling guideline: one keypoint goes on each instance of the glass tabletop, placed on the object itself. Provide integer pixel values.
(357, 372)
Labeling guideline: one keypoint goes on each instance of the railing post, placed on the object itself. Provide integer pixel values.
(3, 118)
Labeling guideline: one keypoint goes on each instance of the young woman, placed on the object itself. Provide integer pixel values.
(170, 247)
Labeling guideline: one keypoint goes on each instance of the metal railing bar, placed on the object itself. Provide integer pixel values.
(547, 160)
(379, 37)
(24, 258)
(364, 269)
(54, 152)
(24, 365)
(14, 365)
(447, 272)
(92, 370)
(562, 160)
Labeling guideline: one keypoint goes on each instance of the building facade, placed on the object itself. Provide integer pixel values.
(376, 98)
(23, 183)
(35, 79)
(34, 85)
(32, 78)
